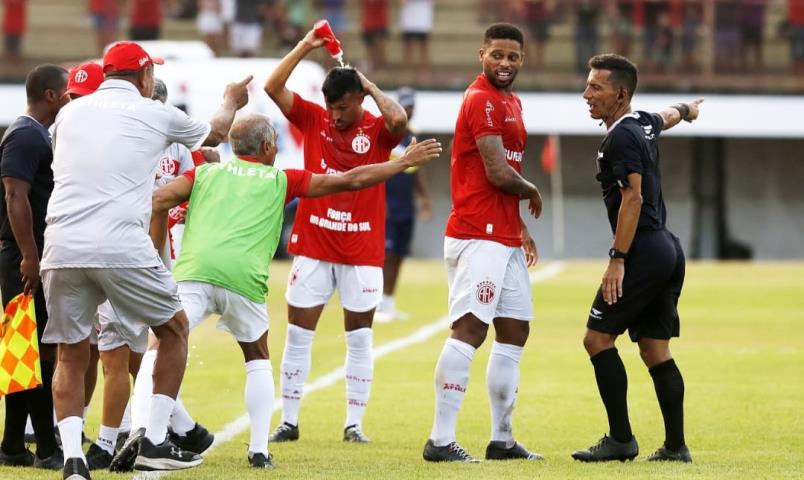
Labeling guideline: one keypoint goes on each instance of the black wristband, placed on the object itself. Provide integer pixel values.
(683, 109)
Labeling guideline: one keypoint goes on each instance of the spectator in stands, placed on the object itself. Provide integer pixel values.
(210, 24)
(795, 20)
(375, 31)
(665, 40)
(333, 12)
(297, 20)
(622, 26)
(146, 19)
(536, 14)
(690, 25)
(727, 35)
(106, 20)
(752, 23)
(586, 32)
(416, 24)
(14, 28)
(245, 36)
(654, 12)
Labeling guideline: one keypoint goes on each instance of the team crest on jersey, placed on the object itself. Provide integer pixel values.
(167, 166)
(485, 292)
(361, 143)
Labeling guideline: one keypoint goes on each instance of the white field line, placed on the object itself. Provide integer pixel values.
(241, 423)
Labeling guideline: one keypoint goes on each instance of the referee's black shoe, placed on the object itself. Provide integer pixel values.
(76, 469)
(608, 449)
(498, 451)
(451, 452)
(197, 440)
(664, 454)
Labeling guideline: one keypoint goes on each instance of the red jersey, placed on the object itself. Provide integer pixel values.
(348, 227)
(479, 209)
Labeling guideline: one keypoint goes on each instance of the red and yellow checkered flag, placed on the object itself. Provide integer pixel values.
(19, 347)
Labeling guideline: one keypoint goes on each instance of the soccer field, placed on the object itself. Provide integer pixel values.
(741, 353)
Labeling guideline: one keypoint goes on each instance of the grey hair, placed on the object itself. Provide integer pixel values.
(160, 90)
(248, 133)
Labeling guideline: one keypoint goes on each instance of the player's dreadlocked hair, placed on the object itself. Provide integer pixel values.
(623, 71)
(504, 31)
(339, 82)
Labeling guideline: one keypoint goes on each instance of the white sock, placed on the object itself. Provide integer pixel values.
(84, 417)
(295, 368)
(180, 420)
(55, 419)
(29, 426)
(386, 304)
(107, 438)
(70, 430)
(259, 403)
(161, 406)
(125, 423)
(359, 371)
(502, 379)
(451, 380)
(143, 389)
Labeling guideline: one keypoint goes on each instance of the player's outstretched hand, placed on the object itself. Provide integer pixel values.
(695, 109)
(419, 153)
(313, 41)
(535, 205)
(238, 92)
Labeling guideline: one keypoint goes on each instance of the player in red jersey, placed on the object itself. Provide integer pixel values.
(487, 251)
(338, 240)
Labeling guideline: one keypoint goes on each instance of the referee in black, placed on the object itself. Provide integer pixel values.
(643, 281)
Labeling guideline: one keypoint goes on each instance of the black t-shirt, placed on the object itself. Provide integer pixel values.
(632, 147)
(26, 154)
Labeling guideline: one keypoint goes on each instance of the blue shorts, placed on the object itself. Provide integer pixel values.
(398, 234)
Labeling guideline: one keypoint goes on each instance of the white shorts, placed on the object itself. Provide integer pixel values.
(487, 279)
(114, 333)
(245, 319)
(245, 37)
(312, 282)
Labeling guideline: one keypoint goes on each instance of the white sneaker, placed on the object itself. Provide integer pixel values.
(381, 316)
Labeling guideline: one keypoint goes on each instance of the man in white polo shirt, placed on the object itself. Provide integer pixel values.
(106, 152)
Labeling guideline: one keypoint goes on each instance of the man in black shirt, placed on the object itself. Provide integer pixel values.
(640, 288)
(27, 181)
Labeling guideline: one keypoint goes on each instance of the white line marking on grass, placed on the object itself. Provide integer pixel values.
(241, 423)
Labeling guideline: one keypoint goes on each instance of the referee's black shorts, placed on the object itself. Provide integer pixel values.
(654, 276)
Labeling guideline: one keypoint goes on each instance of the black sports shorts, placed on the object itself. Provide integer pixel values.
(654, 276)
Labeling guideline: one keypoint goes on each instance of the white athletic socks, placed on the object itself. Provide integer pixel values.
(161, 407)
(143, 389)
(502, 379)
(387, 304)
(70, 430)
(451, 380)
(125, 423)
(359, 370)
(180, 420)
(107, 437)
(259, 395)
(294, 369)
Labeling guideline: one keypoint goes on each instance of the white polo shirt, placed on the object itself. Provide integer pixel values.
(107, 151)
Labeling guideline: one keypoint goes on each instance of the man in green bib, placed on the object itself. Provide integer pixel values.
(232, 229)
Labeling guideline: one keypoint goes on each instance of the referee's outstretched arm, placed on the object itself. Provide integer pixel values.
(674, 114)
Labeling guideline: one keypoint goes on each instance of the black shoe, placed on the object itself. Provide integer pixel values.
(165, 456)
(353, 434)
(124, 460)
(259, 460)
(53, 462)
(98, 458)
(285, 432)
(664, 454)
(76, 469)
(498, 451)
(448, 453)
(22, 459)
(608, 449)
(121, 439)
(197, 440)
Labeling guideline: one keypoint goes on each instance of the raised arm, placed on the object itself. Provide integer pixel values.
(503, 176)
(21, 220)
(674, 114)
(367, 175)
(396, 120)
(235, 97)
(163, 199)
(275, 85)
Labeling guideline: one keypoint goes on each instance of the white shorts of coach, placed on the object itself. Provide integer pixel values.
(312, 282)
(487, 279)
(245, 319)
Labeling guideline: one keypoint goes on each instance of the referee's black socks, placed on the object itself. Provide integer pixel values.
(612, 382)
(670, 391)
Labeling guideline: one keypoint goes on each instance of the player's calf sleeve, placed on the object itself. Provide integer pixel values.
(259, 395)
(180, 420)
(451, 380)
(612, 382)
(294, 369)
(502, 380)
(669, 385)
(143, 389)
(359, 371)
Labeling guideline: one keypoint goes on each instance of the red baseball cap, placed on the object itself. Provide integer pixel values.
(85, 79)
(127, 56)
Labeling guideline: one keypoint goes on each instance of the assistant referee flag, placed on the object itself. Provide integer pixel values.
(19, 347)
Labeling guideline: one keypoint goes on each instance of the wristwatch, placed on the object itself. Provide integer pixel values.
(614, 253)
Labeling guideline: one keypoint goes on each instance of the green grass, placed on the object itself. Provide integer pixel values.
(741, 353)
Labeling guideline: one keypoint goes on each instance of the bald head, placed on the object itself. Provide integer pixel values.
(248, 134)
